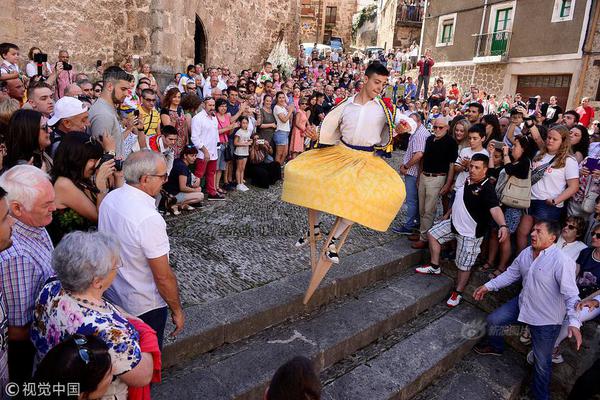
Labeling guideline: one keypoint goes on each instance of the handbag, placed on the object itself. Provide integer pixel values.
(589, 198)
(228, 152)
(538, 173)
(517, 192)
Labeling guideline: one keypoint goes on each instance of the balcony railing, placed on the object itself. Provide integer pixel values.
(409, 13)
(492, 47)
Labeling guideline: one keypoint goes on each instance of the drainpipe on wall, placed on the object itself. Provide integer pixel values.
(587, 51)
(423, 29)
(485, 5)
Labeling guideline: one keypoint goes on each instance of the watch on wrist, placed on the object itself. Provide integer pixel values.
(503, 226)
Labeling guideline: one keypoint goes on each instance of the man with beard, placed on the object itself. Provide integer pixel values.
(103, 114)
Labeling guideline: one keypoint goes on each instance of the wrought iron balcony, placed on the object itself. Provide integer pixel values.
(409, 13)
(492, 47)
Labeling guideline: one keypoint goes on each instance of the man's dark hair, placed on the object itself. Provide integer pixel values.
(375, 67)
(148, 92)
(190, 102)
(115, 73)
(232, 89)
(318, 95)
(168, 130)
(38, 85)
(481, 157)
(140, 83)
(553, 227)
(515, 111)
(574, 114)
(83, 82)
(478, 106)
(144, 80)
(5, 48)
(418, 115)
(478, 128)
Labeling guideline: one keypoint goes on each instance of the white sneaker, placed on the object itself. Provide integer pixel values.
(454, 299)
(428, 270)
(242, 188)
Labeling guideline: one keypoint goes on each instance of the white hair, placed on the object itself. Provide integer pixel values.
(82, 256)
(22, 184)
(140, 163)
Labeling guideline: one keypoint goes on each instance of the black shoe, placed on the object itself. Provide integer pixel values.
(331, 252)
(215, 197)
(304, 239)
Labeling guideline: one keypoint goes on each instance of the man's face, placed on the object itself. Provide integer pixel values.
(41, 211)
(517, 97)
(540, 237)
(169, 141)
(374, 85)
(516, 118)
(504, 123)
(148, 101)
(475, 140)
(16, 89)
(214, 80)
(440, 128)
(63, 56)
(120, 91)
(191, 88)
(569, 120)
(477, 170)
(153, 184)
(77, 123)
(6, 223)
(87, 89)
(553, 100)
(12, 56)
(472, 115)
(232, 96)
(41, 100)
(210, 106)
(329, 90)
(141, 87)
(74, 90)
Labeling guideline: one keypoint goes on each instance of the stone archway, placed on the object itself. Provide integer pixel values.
(200, 42)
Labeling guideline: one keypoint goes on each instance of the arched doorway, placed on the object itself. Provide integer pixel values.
(200, 42)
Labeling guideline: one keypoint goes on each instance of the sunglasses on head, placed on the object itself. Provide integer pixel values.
(84, 353)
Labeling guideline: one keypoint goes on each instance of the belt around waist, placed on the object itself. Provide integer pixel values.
(369, 149)
(434, 174)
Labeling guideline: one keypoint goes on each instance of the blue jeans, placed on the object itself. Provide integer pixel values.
(157, 319)
(542, 339)
(412, 202)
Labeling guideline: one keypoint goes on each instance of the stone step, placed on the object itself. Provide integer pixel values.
(230, 319)
(413, 363)
(242, 370)
(480, 377)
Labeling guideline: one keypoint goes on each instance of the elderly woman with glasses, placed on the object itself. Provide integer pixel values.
(86, 264)
(570, 237)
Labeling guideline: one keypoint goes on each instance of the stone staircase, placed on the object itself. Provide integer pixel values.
(374, 329)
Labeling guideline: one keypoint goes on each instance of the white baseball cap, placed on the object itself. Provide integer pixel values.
(66, 107)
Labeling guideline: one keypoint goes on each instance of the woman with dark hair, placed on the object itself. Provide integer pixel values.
(226, 127)
(81, 360)
(97, 90)
(580, 142)
(266, 120)
(27, 139)
(81, 181)
(172, 114)
(295, 380)
(182, 184)
(492, 129)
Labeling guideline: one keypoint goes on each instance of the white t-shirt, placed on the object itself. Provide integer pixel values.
(554, 181)
(466, 153)
(281, 126)
(244, 135)
(570, 249)
(129, 214)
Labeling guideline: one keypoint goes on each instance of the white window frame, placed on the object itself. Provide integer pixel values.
(556, 11)
(501, 6)
(440, 29)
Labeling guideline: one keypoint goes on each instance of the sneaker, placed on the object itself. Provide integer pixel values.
(215, 197)
(242, 188)
(175, 210)
(229, 186)
(428, 270)
(454, 299)
(331, 252)
(530, 358)
(304, 239)
(401, 230)
(525, 337)
(486, 350)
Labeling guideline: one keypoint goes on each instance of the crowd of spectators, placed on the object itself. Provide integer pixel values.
(89, 161)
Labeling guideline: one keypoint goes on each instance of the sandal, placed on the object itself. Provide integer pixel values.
(219, 190)
(496, 273)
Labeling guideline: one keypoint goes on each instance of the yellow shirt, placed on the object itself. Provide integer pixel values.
(151, 121)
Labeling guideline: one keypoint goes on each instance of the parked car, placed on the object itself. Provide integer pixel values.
(372, 49)
(321, 48)
(336, 43)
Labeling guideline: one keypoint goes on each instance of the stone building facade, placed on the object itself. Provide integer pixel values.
(169, 34)
(322, 19)
(398, 24)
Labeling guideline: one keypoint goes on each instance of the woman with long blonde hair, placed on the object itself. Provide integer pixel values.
(554, 180)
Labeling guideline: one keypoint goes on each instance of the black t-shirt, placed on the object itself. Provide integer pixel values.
(588, 280)
(551, 113)
(479, 199)
(439, 154)
(314, 116)
(179, 168)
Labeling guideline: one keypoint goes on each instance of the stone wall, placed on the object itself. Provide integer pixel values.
(487, 77)
(366, 35)
(405, 35)
(313, 24)
(239, 35)
(386, 24)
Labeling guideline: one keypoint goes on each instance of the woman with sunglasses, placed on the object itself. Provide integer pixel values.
(27, 139)
(588, 282)
(182, 183)
(79, 359)
(299, 129)
(97, 90)
(570, 237)
(86, 264)
(81, 181)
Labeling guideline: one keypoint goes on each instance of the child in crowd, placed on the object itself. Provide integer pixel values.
(461, 166)
(242, 142)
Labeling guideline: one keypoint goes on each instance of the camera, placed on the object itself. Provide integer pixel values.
(40, 58)
(106, 157)
(498, 145)
(67, 66)
(119, 165)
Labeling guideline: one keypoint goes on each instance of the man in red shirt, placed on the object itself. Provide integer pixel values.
(586, 112)
(424, 64)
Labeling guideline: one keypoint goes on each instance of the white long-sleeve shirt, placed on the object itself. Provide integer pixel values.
(549, 288)
(205, 133)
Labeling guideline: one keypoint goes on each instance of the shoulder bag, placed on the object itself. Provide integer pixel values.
(517, 192)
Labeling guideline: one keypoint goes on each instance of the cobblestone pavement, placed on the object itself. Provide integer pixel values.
(247, 241)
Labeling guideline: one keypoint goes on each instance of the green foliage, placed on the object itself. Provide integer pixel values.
(367, 14)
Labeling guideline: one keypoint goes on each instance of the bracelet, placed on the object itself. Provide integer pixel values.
(111, 152)
(503, 226)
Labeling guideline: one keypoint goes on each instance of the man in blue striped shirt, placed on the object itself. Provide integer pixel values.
(549, 294)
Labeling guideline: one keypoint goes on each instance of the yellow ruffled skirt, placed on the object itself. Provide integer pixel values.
(352, 184)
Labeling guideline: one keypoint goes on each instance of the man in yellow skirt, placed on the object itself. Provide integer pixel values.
(349, 178)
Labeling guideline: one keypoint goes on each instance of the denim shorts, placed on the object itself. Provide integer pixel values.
(221, 163)
(539, 210)
(281, 138)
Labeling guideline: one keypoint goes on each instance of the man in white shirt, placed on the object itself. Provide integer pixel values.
(549, 294)
(205, 137)
(145, 285)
